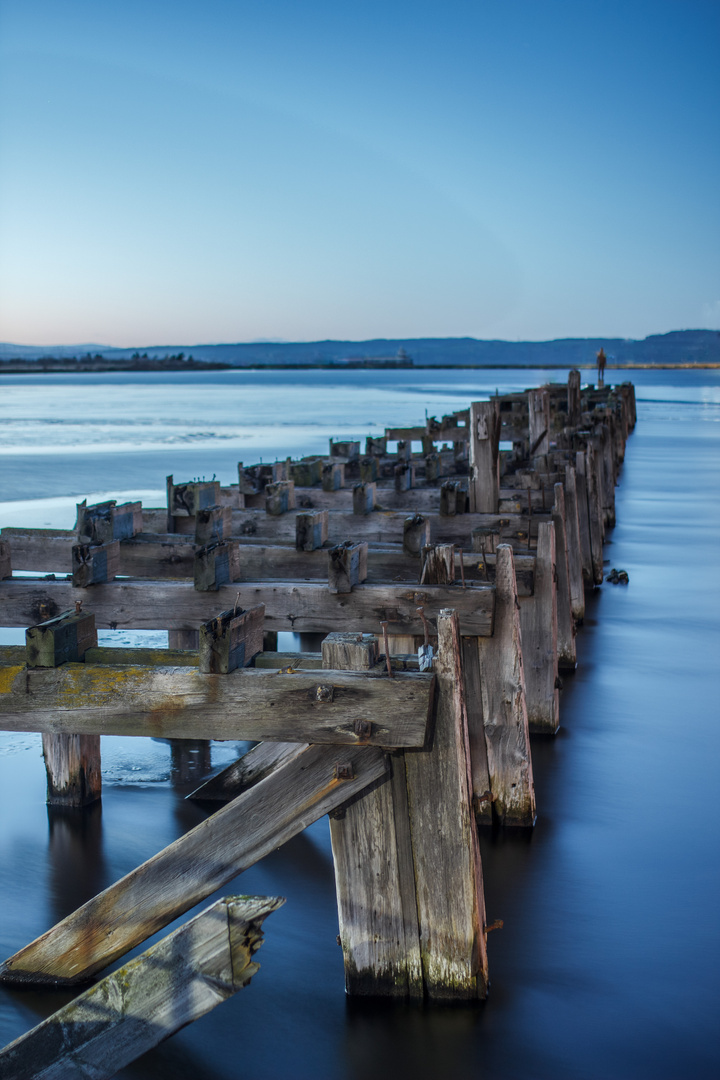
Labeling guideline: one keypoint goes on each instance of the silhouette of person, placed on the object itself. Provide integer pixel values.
(601, 362)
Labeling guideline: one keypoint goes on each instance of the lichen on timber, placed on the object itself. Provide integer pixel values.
(8, 676)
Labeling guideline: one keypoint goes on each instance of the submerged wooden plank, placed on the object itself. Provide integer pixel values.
(297, 606)
(174, 982)
(183, 703)
(189, 870)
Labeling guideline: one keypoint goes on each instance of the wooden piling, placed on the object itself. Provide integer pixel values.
(446, 855)
(347, 566)
(539, 421)
(311, 530)
(416, 534)
(364, 498)
(573, 398)
(438, 564)
(504, 705)
(372, 856)
(231, 640)
(567, 653)
(484, 450)
(72, 762)
(538, 622)
(574, 547)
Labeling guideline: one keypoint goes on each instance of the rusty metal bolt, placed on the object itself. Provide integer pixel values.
(344, 770)
(324, 693)
(363, 729)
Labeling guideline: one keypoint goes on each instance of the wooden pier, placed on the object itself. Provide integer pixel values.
(449, 585)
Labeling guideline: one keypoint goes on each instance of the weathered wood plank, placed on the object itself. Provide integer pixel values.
(484, 457)
(170, 557)
(538, 621)
(174, 982)
(254, 766)
(298, 606)
(183, 703)
(203, 860)
(572, 521)
(567, 653)
(446, 855)
(370, 837)
(504, 706)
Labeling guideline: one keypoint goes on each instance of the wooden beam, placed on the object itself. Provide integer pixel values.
(176, 981)
(193, 867)
(298, 606)
(183, 703)
(567, 653)
(170, 557)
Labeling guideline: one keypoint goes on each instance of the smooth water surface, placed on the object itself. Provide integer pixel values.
(608, 963)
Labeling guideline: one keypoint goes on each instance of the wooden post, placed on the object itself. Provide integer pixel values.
(484, 457)
(376, 446)
(438, 564)
(432, 468)
(595, 514)
(404, 476)
(348, 448)
(215, 565)
(504, 705)
(539, 420)
(186, 500)
(538, 622)
(311, 530)
(416, 534)
(446, 855)
(194, 866)
(213, 523)
(5, 561)
(574, 548)
(347, 566)
(94, 565)
(104, 522)
(72, 762)
(176, 981)
(368, 470)
(231, 640)
(448, 498)
(306, 473)
(583, 517)
(567, 653)
(482, 791)
(573, 398)
(280, 497)
(364, 498)
(333, 476)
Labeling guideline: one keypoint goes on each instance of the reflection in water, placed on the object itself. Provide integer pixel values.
(75, 855)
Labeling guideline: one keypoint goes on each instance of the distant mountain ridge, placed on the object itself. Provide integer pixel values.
(676, 347)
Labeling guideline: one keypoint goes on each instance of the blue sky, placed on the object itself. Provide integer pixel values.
(184, 173)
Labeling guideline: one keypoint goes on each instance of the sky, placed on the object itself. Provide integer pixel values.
(229, 171)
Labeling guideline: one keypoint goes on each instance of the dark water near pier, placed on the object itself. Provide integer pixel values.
(609, 961)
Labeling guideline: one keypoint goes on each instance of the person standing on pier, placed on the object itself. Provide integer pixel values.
(601, 363)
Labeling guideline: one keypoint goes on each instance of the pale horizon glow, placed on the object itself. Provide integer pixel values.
(237, 172)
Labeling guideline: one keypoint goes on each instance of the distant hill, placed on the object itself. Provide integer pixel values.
(677, 347)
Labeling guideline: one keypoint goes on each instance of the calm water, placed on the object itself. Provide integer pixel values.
(608, 964)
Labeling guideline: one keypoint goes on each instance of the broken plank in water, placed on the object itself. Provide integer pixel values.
(183, 703)
(298, 606)
(176, 981)
(203, 860)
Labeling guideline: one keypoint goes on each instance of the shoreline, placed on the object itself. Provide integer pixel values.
(35, 367)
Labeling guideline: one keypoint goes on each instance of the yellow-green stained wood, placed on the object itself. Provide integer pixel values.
(174, 982)
(183, 703)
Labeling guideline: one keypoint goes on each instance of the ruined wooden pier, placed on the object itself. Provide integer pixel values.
(448, 585)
